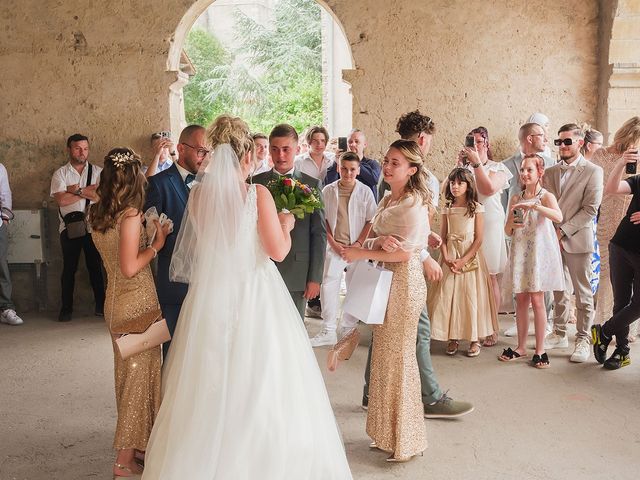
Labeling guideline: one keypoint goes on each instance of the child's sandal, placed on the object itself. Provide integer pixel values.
(540, 361)
(474, 349)
(452, 347)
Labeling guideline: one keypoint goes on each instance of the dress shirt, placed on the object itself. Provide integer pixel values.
(182, 171)
(308, 165)
(5, 190)
(264, 167)
(567, 170)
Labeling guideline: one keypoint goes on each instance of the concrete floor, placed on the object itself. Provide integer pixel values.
(57, 412)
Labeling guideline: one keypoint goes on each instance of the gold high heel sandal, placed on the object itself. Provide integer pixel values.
(393, 459)
(343, 349)
(126, 469)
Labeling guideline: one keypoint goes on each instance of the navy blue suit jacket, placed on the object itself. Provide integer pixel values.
(167, 192)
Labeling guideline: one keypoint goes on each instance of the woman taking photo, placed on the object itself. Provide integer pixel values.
(116, 221)
(491, 179)
(624, 262)
(400, 229)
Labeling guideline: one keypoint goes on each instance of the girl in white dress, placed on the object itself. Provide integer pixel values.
(243, 397)
(535, 264)
(491, 178)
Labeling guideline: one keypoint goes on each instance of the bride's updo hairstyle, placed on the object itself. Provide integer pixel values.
(122, 186)
(231, 130)
(417, 184)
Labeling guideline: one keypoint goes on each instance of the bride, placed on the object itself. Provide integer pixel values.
(243, 397)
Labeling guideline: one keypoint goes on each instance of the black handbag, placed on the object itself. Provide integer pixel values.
(76, 222)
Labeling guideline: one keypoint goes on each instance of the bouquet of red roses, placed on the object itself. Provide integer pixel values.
(294, 196)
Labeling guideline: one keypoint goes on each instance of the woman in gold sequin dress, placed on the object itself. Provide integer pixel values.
(612, 209)
(121, 241)
(395, 420)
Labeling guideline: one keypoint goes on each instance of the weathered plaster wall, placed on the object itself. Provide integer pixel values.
(101, 68)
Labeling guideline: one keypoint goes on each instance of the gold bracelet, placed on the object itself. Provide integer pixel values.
(155, 252)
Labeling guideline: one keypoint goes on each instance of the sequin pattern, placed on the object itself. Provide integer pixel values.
(612, 209)
(395, 418)
(137, 379)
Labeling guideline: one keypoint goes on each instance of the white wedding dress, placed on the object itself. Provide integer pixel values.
(243, 397)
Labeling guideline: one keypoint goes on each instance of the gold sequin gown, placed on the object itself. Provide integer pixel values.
(395, 418)
(137, 379)
(612, 209)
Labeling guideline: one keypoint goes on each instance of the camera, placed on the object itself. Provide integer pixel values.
(165, 134)
(631, 168)
(342, 144)
(470, 141)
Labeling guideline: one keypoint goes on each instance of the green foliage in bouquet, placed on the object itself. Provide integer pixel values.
(294, 196)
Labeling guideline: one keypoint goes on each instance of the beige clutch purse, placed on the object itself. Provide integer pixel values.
(131, 343)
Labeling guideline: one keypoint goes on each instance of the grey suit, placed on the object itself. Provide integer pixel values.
(305, 261)
(579, 200)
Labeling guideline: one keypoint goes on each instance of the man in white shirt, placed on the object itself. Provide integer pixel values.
(73, 187)
(164, 153)
(263, 161)
(8, 313)
(316, 160)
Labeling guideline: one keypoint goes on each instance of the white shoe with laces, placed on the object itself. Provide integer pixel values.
(325, 337)
(10, 317)
(582, 351)
(555, 341)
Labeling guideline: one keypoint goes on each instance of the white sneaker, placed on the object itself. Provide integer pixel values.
(511, 331)
(582, 351)
(313, 312)
(555, 341)
(325, 337)
(10, 317)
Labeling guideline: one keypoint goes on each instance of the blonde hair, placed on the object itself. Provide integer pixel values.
(418, 183)
(231, 130)
(628, 134)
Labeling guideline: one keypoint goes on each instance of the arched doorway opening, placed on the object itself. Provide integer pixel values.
(336, 57)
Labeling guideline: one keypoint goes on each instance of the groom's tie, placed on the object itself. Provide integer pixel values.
(189, 179)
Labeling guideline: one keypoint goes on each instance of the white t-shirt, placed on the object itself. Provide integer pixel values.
(68, 175)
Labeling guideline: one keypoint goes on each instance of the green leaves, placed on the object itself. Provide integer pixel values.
(273, 75)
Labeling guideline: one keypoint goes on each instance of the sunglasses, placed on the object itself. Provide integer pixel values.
(567, 141)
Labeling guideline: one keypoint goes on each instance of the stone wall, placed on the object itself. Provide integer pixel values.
(101, 68)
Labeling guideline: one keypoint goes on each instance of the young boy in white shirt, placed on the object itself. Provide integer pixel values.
(349, 209)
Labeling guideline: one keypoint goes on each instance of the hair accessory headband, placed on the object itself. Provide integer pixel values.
(122, 159)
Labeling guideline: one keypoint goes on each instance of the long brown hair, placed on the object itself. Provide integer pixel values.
(122, 186)
(463, 175)
(417, 184)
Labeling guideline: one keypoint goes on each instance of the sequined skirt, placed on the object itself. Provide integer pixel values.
(395, 419)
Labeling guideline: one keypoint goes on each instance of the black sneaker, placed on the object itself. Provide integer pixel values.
(64, 316)
(365, 402)
(619, 359)
(600, 343)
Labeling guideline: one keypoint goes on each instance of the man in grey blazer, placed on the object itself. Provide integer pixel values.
(302, 268)
(577, 184)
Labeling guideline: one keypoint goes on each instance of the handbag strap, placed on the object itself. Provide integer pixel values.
(89, 175)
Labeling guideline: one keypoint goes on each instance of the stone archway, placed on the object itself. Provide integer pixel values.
(619, 64)
(178, 64)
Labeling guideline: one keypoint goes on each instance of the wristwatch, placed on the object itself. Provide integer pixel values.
(476, 165)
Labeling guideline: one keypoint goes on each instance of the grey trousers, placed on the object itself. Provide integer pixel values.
(577, 272)
(299, 301)
(431, 391)
(5, 277)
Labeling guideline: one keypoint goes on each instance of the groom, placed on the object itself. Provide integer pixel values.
(168, 191)
(302, 268)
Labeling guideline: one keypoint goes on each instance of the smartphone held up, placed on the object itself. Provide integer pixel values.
(632, 168)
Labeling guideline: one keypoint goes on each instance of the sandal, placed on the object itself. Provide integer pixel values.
(474, 349)
(540, 361)
(452, 347)
(509, 355)
(491, 340)
(124, 468)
